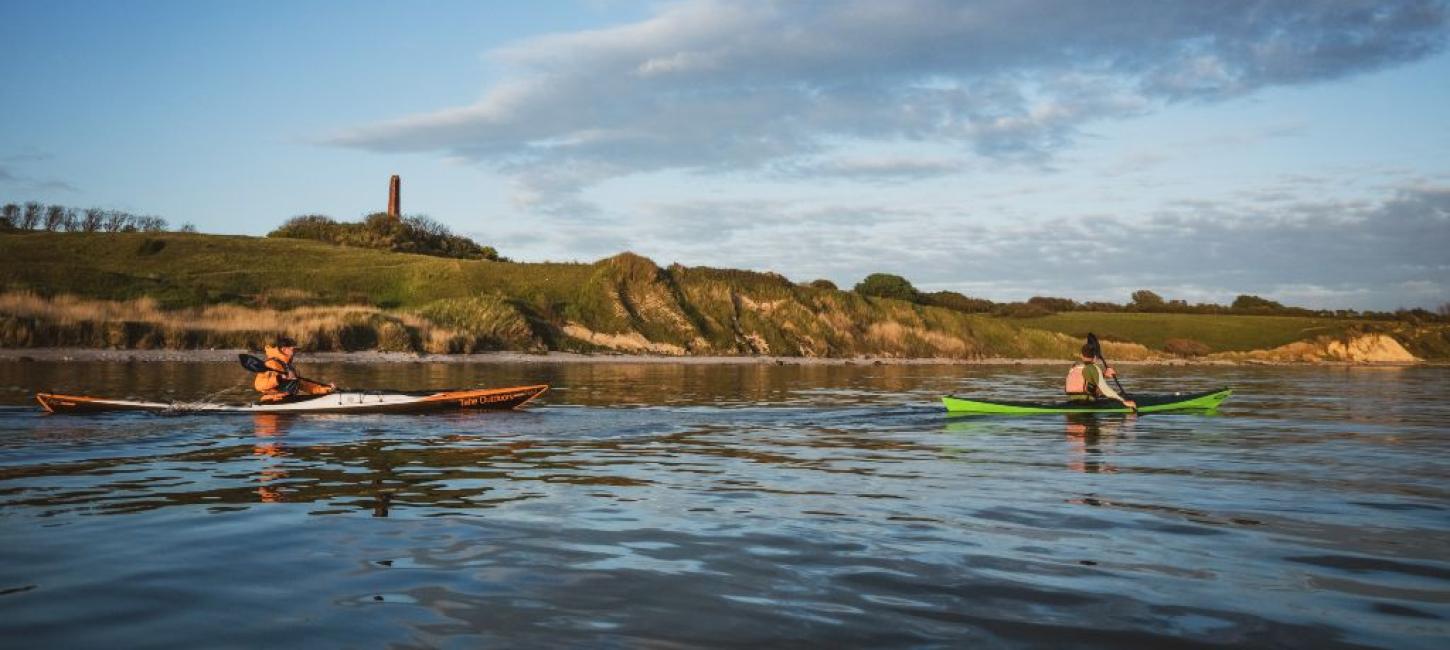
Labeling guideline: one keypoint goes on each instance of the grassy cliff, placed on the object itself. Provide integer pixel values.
(178, 290)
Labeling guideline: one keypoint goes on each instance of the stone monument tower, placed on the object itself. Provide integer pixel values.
(395, 197)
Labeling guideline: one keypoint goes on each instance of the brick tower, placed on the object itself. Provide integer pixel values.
(395, 197)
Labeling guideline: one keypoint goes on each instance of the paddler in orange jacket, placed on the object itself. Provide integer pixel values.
(283, 381)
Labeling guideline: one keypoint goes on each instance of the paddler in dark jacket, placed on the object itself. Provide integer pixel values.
(1086, 381)
(282, 381)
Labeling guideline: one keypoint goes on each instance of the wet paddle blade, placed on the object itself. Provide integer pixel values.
(252, 363)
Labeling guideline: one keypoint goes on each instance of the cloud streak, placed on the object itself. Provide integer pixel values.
(711, 86)
(1382, 254)
(28, 183)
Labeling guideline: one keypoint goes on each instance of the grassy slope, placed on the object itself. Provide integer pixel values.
(1220, 333)
(191, 270)
(624, 298)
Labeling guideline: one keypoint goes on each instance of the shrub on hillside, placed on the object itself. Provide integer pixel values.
(415, 234)
(309, 226)
(1054, 304)
(1255, 304)
(886, 285)
(1021, 310)
(956, 301)
(824, 284)
(1145, 300)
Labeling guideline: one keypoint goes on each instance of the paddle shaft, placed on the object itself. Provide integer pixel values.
(255, 364)
(1098, 351)
(248, 361)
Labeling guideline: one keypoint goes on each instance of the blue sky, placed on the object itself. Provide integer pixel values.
(1296, 150)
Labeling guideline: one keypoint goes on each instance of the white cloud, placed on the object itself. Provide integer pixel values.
(720, 87)
(1383, 254)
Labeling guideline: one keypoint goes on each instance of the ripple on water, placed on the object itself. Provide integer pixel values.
(766, 506)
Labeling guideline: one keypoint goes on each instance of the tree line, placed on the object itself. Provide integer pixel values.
(886, 285)
(36, 216)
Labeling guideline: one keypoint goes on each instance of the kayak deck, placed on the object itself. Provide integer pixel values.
(1204, 401)
(340, 402)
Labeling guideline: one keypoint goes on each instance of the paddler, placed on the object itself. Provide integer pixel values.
(1086, 381)
(282, 380)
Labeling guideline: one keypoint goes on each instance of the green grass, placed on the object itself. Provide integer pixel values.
(1221, 333)
(191, 270)
(494, 305)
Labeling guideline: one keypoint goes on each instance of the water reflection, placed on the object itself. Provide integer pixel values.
(1091, 439)
(662, 505)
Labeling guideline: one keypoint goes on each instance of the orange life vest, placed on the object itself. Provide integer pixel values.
(267, 382)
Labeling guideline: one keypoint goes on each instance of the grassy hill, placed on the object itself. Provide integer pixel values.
(190, 288)
(179, 290)
(1218, 333)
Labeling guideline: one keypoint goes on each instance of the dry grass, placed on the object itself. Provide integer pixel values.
(29, 320)
(70, 310)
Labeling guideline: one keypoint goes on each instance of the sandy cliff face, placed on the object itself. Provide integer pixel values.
(1373, 348)
(1365, 348)
(629, 304)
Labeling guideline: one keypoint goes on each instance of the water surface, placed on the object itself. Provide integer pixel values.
(680, 505)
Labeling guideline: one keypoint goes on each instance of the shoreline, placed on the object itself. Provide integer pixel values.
(93, 355)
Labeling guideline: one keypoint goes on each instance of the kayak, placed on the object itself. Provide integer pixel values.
(339, 402)
(1146, 404)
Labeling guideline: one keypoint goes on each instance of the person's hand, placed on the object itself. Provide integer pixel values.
(332, 386)
(1130, 404)
(1111, 373)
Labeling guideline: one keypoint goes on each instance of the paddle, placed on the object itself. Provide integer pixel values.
(1097, 347)
(256, 364)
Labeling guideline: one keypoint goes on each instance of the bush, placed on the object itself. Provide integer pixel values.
(825, 284)
(308, 226)
(415, 234)
(956, 301)
(1145, 300)
(1053, 304)
(1185, 348)
(1255, 303)
(886, 285)
(1021, 310)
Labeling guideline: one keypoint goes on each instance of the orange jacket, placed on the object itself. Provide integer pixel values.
(268, 383)
(280, 364)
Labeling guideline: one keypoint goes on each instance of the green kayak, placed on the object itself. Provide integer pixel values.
(1146, 404)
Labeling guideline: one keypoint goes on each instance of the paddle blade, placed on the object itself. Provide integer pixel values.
(253, 363)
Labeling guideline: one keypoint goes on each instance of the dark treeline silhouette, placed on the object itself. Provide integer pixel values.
(886, 285)
(33, 215)
(414, 234)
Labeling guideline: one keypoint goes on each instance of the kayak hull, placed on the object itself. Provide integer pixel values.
(1204, 401)
(341, 402)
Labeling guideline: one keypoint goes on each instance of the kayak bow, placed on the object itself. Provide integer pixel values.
(1146, 404)
(341, 402)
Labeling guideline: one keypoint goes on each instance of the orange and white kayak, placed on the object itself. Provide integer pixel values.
(339, 402)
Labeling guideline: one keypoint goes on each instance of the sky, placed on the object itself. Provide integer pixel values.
(1295, 150)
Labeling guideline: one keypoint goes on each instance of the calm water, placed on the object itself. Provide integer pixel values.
(683, 506)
